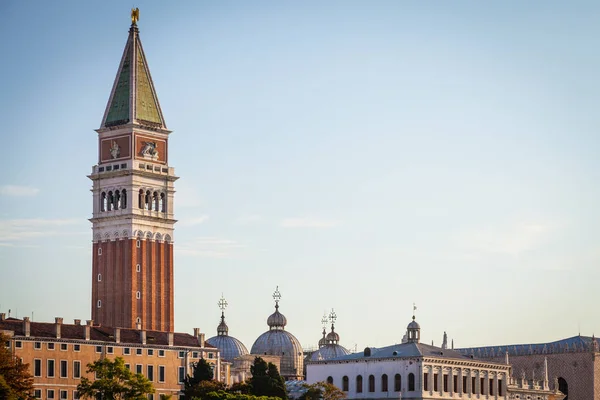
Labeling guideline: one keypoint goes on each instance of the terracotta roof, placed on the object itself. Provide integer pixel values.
(99, 333)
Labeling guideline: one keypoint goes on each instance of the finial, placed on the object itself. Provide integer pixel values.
(135, 15)
(324, 320)
(414, 309)
(222, 303)
(277, 296)
(332, 317)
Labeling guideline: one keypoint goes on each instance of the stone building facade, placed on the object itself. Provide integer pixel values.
(58, 353)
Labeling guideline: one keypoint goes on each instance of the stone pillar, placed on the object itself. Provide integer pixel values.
(431, 379)
(451, 381)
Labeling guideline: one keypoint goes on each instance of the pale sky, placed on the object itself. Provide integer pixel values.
(362, 155)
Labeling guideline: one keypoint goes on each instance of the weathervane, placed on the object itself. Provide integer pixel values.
(135, 15)
(414, 309)
(277, 296)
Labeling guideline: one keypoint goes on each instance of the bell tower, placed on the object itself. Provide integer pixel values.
(133, 191)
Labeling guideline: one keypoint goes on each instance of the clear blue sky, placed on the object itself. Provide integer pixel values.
(360, 155)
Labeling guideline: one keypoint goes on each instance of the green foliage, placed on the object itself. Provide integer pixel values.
(222, 395)
(240, 388)
(266, 380)
(322, 390)
(114, 381)
(201, 381)
(15, 380)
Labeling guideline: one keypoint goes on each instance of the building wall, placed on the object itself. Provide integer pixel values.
(578, 369)
(171, 358)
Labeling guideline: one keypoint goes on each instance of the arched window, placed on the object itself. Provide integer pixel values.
(109, 203)
(141, 199)
(99, 277)
(138, 295)
(359, 384)
(345, 384)
(384, 383)
(123, 199)
(156, 199)
(138, 268)
(411, 382)
(163, 203)
(99, 304)
(397, 383)
(103, 201)
(563, 386)
(117, 200)
(148, 200)
(330, 380)
(371, 383)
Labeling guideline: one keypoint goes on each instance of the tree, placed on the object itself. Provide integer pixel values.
(322, 390)
(201, 381)
(15, 380)
(266, 380)
(114, 381)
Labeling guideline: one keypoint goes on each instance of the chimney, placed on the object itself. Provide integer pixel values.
(26, 326)
(196, 332)
(117, 335)
(77, 322)
(143, 336)
(201, 340)
(170, 337)
(57, 325)
(88, 328)
(2, 316)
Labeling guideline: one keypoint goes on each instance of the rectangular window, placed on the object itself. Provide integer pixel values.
(63, 395)
(37, 393)
(425, 381)
(37, 345)
(150, 352)
(211, 355)
(500, 389)
(150, 397)
(76, 369)
(50, 369)
(98, 349)
(491, 392)
(37, 367)
(64, 346)
(445, 382)
(473, 388)
(110, 350)
(75, 395)
(150, 374)
(139, 368)
(435, 382)
(464, 386)
(126, 351)
(181, 375)
(181, 354)
(161, 353)
(195, 354)
(50, 346)
(64, 373)
(18, 344)
(161, 373)
(138, 352)
(128, 366)
(76, 347)
(481, 385)
(50, 393)
(455, 383)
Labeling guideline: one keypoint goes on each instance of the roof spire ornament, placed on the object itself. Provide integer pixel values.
(324, 320)
(135, 15)
(222, 329)
(276, 296)
(276, 320)
(413, 330)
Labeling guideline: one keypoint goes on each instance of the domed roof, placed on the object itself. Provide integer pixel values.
(333, 337)
(277, 320)
(328, 352)
(278, 342)
(229, 346)
(413, 325)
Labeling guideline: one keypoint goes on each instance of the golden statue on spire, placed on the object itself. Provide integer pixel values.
(135, 15)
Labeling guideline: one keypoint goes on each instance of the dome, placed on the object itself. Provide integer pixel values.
(278, 342)
(413, 325)
(333, 337)
(229, 346)
(277, 320)
(328, 352)
(222, 329)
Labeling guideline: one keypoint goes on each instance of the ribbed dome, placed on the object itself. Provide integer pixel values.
(328, 352)
(277, 320)
(229, 346)
(278, 342)
(413, 325)
(222, 329)
(333, 337)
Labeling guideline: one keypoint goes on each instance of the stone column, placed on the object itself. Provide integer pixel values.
(451, 381)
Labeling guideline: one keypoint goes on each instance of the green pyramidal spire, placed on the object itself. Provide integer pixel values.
(133, 98)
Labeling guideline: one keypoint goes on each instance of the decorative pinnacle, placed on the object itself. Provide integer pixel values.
(276, 296)
(414, 309)
(135, 15)
(332, 316)
(222, 303)
(324, 320)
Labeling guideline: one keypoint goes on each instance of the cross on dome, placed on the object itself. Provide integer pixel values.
(324, 320)
(332, 316)
(277, 296)
(222, 303)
